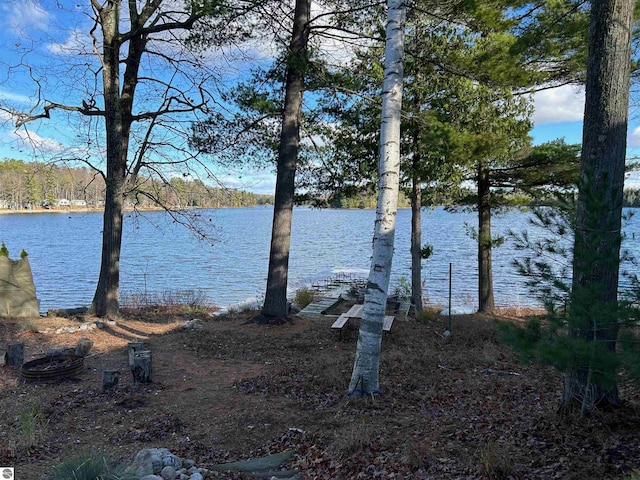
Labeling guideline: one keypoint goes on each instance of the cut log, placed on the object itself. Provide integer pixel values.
(83, 347)
(142, 368)
(15, 354)
(110, 379)
(133, 347)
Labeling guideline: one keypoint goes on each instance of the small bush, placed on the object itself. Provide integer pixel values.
(92, 465)
(27, 430)
(174, 301)
(429, 313)
(29, 326)
(304, 297)
(494, 462)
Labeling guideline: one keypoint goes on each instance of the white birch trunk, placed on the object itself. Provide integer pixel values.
(365, 376)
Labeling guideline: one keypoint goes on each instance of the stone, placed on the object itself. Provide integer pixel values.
(84, 346)
(151, 477)
(156, 460)
(141, 466)
(188, 463)
(192, 470)
(194, 324)
(171, 461)
(168, 473)
(196, 476)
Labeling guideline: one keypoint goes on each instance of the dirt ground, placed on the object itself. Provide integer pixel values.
(234, 390)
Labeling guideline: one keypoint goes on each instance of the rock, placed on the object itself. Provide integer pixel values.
(151, 477)
(194, 324)
(193, 470)
(142, 466)
(171, 460)
(66, 330)
(156, 460)
(196, 476)
(188, 463)
(168, 473)
(83, 347)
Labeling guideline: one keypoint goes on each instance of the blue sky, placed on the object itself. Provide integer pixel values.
(26, 26)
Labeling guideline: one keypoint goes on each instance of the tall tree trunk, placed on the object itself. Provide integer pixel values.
(366, 367)
(486, 303)
(275, 302)
(416, 237)
(596, 261)
(106, 298)
(118, 108)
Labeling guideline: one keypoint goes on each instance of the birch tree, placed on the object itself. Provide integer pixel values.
(365, 376)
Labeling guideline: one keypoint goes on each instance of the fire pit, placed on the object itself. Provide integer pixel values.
(52, 366)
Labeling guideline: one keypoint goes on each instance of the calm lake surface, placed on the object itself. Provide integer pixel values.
(159, 255)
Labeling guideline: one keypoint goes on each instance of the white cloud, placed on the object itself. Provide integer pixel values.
(32, 140)
(13, 97)
(255, 181)
(561, 104)
(77, 42)
(22, 17)
(634, 138)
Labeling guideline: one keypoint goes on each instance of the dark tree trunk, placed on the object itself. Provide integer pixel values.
(599, 210)
(416, 238)
(275, 302)
(118, 107)
(106, 298)
(486, 302)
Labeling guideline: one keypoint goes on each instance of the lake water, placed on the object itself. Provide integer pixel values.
(229, 267)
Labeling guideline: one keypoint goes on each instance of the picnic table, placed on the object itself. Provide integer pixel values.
(355, 313)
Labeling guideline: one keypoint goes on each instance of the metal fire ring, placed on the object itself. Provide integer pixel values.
(53, 366)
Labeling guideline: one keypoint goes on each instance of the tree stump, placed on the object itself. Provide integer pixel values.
(133, 347)
(110, 379)
(142, 369)
(15, 354)
(83, 347)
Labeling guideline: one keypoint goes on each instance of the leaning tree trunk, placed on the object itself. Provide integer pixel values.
(366, 367)
(486, 303)
(275, 302)
(416, 237)
(594, 299)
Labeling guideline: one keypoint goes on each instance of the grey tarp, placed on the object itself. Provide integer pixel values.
(17, 291)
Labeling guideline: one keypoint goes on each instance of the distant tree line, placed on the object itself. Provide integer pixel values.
(31, 185)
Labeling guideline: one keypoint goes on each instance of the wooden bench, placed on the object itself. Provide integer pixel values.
(340, 321)
(344, 318)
